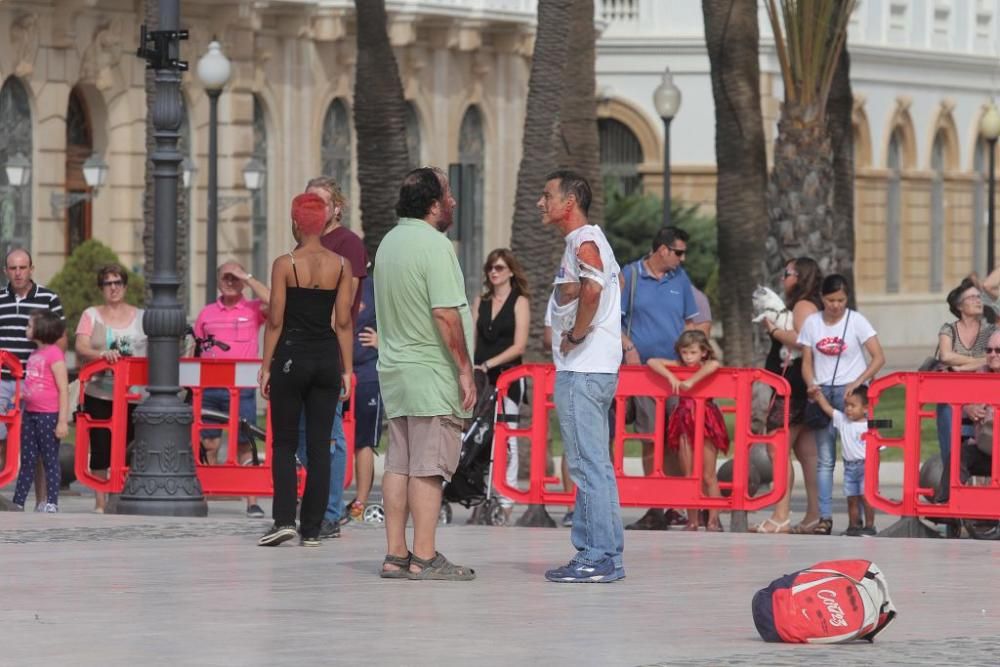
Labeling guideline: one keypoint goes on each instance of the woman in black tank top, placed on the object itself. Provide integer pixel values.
(307, 367)
(501, 317)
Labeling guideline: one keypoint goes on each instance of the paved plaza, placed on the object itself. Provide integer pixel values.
(86, 589)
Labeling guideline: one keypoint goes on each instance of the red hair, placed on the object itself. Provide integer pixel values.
(309, 213)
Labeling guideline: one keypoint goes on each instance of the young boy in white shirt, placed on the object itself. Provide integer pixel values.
(851, 424)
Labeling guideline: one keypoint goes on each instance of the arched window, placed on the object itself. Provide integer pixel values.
(413, 135)
(621, 155)
(15, 140)
(79, 146)
(259, 216)
(469, 192)
(980, 165)
(894, 205)
(937, 213)
(336, 150)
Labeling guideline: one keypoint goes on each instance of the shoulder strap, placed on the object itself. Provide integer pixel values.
(843, 340)
(631, 297)
(294, 270)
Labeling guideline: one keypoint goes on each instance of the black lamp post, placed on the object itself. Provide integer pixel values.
(161, 480)
(667, 100)
(214, 70)
(989, 127)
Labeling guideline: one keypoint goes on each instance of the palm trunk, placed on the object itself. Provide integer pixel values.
(380, 123)
(578, 145)
(731, 33)
(537, 247)
(839, 110)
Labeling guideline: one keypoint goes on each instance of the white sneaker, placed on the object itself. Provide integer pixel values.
(51, 508)
(40, 507)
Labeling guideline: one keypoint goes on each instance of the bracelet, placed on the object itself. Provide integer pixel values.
(575, 341)
(629, 348)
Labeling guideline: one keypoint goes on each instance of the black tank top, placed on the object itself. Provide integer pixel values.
(308, 312)
(493, 336)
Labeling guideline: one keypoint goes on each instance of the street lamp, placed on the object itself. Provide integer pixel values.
(188, 171)
(989, 127)
(161, 478)
(214, 70)
(667, 101)
(18, 171)
(253, 175)
(95, 175)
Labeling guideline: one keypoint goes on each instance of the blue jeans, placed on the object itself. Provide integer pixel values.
(338, 462)
(582, 402)
(826, 452)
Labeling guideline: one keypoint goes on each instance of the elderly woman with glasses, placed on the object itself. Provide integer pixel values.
(109, 331)
(961, 347)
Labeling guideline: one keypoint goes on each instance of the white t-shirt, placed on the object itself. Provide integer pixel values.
(601, 350)
(851, 443)
(827, 341)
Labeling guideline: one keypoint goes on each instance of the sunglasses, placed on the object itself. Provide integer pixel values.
(498, 268)
(992, 350)
(677, 251)
(789, 273)
(113, 283)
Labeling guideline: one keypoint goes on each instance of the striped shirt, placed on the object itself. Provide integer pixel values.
(14, 314)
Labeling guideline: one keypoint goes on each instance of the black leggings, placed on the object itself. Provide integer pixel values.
(304, 379)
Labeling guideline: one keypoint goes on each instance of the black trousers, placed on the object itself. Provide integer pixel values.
(305, 377)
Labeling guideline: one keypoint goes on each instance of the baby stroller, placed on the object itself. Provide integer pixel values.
(471, 485)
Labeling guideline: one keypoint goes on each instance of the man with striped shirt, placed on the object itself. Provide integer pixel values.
(18, 300)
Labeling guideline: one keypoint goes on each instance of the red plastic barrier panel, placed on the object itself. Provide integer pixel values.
(12, 420)
(956, 390)
(230, 477)
(656, 489)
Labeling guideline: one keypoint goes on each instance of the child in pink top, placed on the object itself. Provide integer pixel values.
(46, 409)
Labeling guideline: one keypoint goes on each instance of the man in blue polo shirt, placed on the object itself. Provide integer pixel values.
(657, 305)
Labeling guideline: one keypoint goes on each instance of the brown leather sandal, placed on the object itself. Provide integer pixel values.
(402, 563)
(439, 568)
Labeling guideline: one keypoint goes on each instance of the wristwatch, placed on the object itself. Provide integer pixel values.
(629, 348)
(575, 341)
(249, 277)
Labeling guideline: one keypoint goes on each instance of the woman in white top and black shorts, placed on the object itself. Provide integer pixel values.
(833, 343)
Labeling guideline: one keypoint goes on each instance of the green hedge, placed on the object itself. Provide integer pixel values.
(76, 283)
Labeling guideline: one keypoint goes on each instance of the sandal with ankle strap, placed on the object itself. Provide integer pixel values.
(399, 561)
(439, 568)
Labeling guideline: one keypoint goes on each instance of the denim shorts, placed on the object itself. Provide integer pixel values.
(217, 399)
(854, 478)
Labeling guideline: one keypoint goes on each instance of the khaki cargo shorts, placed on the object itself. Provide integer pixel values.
(424, 446)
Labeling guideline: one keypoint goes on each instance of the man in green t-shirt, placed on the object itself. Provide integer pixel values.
(425, 372)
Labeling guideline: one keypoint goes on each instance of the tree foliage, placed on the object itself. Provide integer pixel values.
(76, 283)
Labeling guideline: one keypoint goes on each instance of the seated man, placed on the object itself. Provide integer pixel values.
(235, 321)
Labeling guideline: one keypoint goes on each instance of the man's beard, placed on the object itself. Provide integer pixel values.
(444, 222)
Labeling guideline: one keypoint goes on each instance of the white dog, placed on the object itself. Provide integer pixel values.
(768, 304)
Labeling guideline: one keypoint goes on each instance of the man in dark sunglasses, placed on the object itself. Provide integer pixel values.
(658, 304)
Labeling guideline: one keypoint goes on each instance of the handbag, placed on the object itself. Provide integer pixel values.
(815, 418)
(932, 364)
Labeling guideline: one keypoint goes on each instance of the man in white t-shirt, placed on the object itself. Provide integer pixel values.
(585, 312)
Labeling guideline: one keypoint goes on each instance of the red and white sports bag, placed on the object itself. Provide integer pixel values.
(833, 601)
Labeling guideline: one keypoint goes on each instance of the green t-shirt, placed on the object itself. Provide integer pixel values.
(416, 270)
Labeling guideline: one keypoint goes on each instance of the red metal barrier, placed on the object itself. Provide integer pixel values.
(955, 390)
(657, 489)
(197, 374)
(12, 419)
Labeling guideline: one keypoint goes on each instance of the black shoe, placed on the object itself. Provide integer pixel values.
(869, 531)
(255, 512)
(853, 531)
(653, 519)
(329, 529)
(277, 535)
(309, 541)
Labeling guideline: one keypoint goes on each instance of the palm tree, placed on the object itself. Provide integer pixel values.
(379, 122)
(809, 39)
(578, 145)
(839, 122)
(538, 248)
(731, 34)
